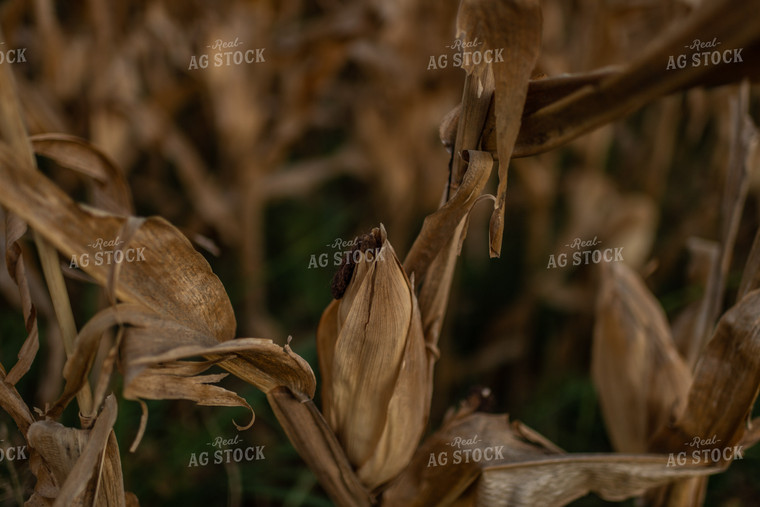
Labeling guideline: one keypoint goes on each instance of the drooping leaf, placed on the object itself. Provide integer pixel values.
(513, 26)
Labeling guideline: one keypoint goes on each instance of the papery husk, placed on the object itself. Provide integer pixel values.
(376, 389)
(637, 371)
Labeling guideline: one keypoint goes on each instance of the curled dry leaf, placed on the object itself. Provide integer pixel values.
(376, 386)
(81, 467)
(14, 261)
(178, 307)
(439, 473)
(110, 188)
(639, 375)
(174, 280)
(12, 402)
(513, 26)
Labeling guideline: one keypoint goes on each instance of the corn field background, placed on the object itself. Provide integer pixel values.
(240, 188)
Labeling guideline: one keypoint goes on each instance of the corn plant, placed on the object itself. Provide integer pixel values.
(166, 325)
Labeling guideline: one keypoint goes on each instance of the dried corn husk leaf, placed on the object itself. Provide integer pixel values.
(726, 383)
(15, 228)
(111, 190)
(377, 391)
(312, 437)
(519, 476)
(639, 375)
(79, 471)
(477, 95)
(12, 402)
(152, 351)
(515, 27)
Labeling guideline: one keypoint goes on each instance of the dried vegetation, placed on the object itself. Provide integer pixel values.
(215, 184)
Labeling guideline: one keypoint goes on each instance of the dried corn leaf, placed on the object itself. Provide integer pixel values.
(613, 477)
(742, 144)
(439, 473)
(15, 228)
(477, 95)
(566, 107)
(111, 190)
(692, 322)
(726, 383)
(639, 375)
(180, 303)
(513, 26)
(152, 347)
(312, 437)
(524, 463)
(12, 402)
(84, 465)
(174, 279)
(541, 93)
(183, 381)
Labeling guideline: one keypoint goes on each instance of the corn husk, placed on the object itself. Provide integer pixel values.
(376, 387)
